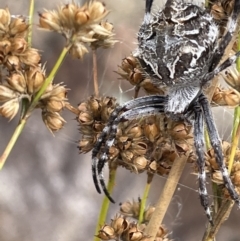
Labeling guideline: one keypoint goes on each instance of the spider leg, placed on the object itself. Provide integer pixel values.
(152, 109)
(221, 67)
(231, 27)
(140, 102)
(199, 146)
(216, 145)
(148, 6)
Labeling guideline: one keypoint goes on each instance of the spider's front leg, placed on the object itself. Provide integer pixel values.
(143, 106)
(199, 146)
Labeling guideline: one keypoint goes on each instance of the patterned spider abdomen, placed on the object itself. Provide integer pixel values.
(176, 47)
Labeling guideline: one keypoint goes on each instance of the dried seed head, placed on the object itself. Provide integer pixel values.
(18, 27)
(86, 144)
(52, 120)
(223, 97)
(81, 17)
(5, 46)
(236, 178)
(103, 36)
(80, 25)
(17, 82)
(126, 208)
(106, 233)
(232, 77)
(19, 45)
(131, 70)
(93, 116)
(140, 163)
(119, 224)
(9, 109)
(218, 12)
(49, 20)
(5, 18)
(134, 234)
(35, 78)
(148, 213)
(12, 62)
(151, 130)
(97, 11)
(30, 57)
(7, 94)
(54, 105)
(78, 50)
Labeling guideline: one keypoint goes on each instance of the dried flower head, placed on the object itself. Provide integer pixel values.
(213, 167)
(226, 97)
(131, 70)
(232, 77)
(80, 25)
(127, 230)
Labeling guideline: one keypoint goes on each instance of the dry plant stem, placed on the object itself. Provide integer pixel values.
(145, 197)
(30, 15)
(31, 107)
(222, 215)
(74, 110)
(166, 196)
(95, 77)
(105, 204)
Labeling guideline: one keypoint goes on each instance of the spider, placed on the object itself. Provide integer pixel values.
(178, 49)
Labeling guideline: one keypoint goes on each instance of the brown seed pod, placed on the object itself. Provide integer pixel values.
(119, 224)
(19, 45)
(35, 78)
(53, 120)
(106, 233)
(17, 82)
(12, 62)
(5, 46)
(5, 18)
(7, 94)
(9, 109)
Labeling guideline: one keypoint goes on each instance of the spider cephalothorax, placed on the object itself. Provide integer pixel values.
(178, 49)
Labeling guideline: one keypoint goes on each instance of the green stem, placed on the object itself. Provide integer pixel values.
(12, 142)
(144, 198)
(27, 111)
(30, 15)
(105, 204)
(51, 76)
(234, 146)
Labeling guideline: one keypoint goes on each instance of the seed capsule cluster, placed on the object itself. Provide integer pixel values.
(23, 75)
(149, 144)
(80, 25)
(123, 226)
(212, 167)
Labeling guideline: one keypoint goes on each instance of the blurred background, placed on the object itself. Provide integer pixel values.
(46, 187)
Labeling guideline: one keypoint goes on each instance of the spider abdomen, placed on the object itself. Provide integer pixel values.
(177, 44)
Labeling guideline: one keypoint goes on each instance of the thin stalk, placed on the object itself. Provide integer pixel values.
(233, 149)
(12, 142)
(30, 15)
(144, 197)
(95, 76)
(105, 204)
(236, 121)
(207, 140)
(222, 215)
(72, 109)
(236, 125)
(166, 196)
(50, 77)
(30, 108)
